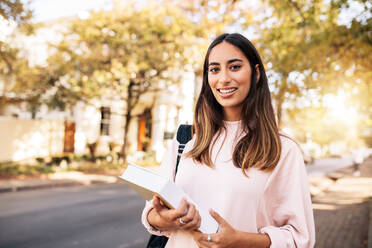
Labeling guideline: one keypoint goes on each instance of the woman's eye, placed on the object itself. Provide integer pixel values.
(235, 67)
(214, 69)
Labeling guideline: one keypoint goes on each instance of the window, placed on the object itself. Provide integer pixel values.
(105, 120)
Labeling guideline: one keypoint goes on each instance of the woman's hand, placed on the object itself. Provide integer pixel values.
(225, 237)
(228, 237)
(185, 217)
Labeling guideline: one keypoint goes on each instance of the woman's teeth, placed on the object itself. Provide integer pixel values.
(225, 91)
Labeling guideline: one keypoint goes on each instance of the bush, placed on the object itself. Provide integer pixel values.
(12, 169)
(147, 159)
(40, 160)
(103, 167)
(101, 164)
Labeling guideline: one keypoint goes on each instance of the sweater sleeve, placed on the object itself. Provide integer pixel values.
(166, 169)
(285, 211)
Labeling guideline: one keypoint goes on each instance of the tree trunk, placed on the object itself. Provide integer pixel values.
(8, 75)
(279, 108)
(283, 87)
(128, 117)
(126, 129)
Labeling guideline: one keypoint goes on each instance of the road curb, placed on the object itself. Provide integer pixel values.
(38, 186)
(56, 180)
(319, 184)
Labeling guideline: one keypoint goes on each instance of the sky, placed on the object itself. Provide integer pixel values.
(45, 10)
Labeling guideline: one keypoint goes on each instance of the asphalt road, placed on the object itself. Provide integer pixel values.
(324, 166)
(99, 216)
(82, 216)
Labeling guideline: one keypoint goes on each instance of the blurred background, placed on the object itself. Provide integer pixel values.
(97, 77)
(87, 85)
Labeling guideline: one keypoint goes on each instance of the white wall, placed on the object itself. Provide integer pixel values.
(173, 107)
(87, 119)
(22, 139)
(158, 127)
(117, 122)
(188, 89)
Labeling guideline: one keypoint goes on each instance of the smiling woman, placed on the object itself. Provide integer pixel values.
(229, 75)
(237, 163)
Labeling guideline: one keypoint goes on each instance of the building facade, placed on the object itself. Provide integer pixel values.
(153, 124)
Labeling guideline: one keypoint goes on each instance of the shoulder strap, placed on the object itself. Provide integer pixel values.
(183, 136)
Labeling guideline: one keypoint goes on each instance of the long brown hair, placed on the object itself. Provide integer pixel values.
(260, 147)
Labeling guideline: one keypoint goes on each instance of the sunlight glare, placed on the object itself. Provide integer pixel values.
(339, 108)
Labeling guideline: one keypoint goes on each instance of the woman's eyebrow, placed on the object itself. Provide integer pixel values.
(213, 63)
(228, 62)
(234, 60)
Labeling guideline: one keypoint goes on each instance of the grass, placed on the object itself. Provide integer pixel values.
(85, 164)
(98, 167)
(13, 170)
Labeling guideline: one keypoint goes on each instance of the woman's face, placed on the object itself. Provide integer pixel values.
(229, 76)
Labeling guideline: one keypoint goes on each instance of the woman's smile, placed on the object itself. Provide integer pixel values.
(226, 92)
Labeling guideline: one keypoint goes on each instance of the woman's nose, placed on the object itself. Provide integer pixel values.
(224, 77)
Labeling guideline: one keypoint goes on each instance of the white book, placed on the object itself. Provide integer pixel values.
(147, 183)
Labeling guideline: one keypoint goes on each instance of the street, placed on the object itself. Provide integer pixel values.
(321, 167)
(87, 216)
(108, 215)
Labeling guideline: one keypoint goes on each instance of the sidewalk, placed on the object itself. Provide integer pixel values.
(343, 209)
(60, 179)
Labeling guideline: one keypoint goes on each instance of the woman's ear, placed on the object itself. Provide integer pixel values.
(257, 67)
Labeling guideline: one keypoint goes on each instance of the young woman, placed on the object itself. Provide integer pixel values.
(250, 177)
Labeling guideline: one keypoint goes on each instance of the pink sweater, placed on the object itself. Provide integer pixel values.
(277, 203)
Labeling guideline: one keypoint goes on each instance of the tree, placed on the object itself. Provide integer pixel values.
(307, 45)
(213, 17)
(16, 11)
(124, 54)
(14, 16)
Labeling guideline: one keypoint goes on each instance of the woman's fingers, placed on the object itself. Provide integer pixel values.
(192, 219)
(193, 224)
(159, 205)
(185, 216)
(201, 239)
(180, 211)
(156, 203)
(190, 214)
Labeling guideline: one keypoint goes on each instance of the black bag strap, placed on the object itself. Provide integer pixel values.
(183, 136)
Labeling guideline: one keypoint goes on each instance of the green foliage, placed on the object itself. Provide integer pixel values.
(9, 170)
(148, 159)
(306, 37)
(15, 17)
(15, 10)
(312, 122)
(39, 160)
(129, 51)
(73, 163)
(101, 168)
(124, 54)
(126, 51)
